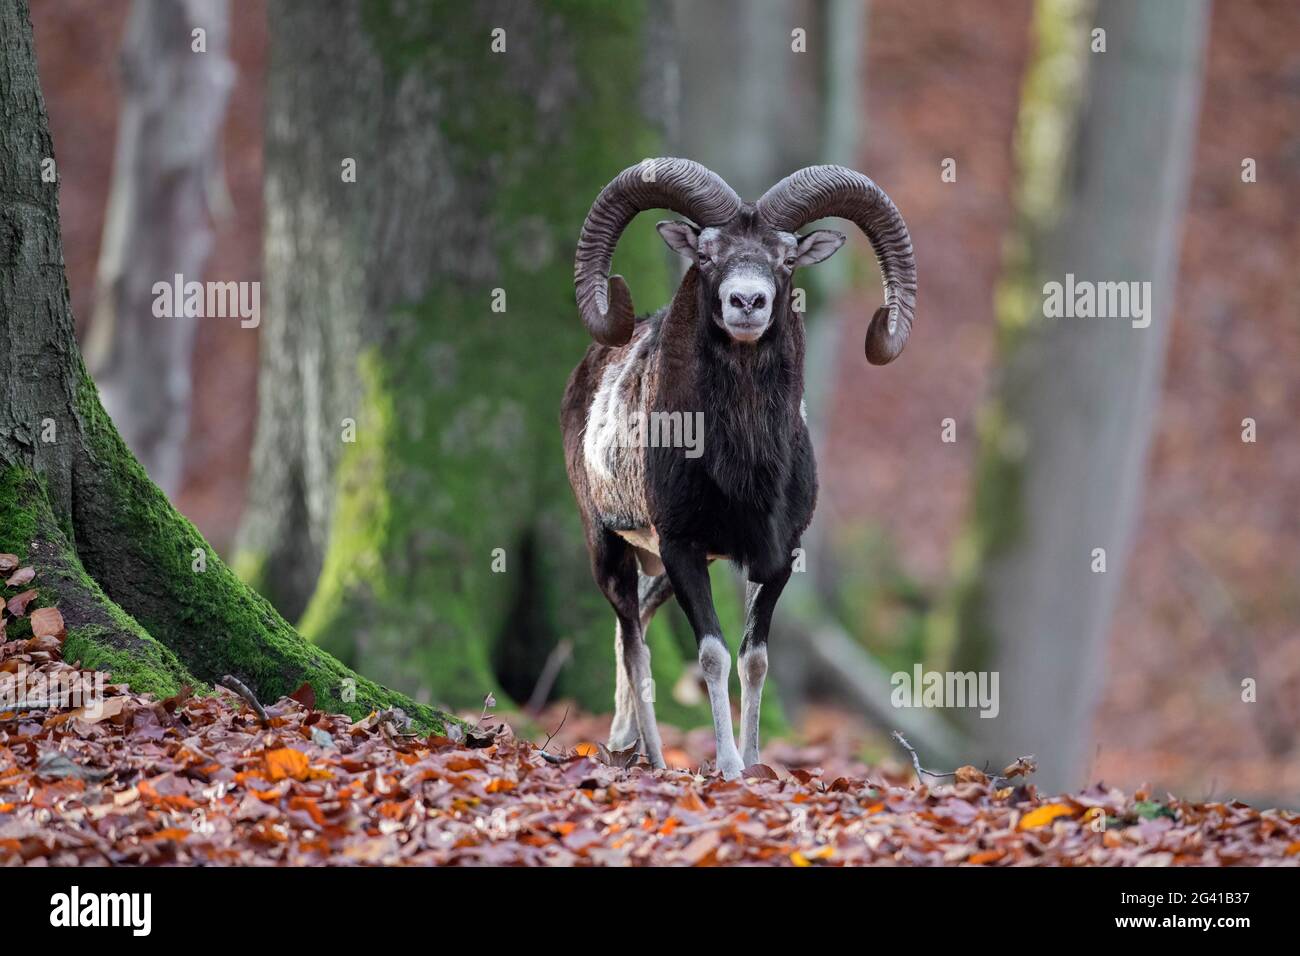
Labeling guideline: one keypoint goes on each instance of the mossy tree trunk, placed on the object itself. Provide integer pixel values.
(1104, 166)
(140, 590)
(408, 493)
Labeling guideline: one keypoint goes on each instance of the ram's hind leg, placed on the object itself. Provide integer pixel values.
(652, 593)
(615, 569)
(623, 731)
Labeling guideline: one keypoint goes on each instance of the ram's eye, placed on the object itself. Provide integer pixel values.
(789, 262)
(704, 259)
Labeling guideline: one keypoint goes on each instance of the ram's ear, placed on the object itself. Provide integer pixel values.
(682, 237)
(818, 246)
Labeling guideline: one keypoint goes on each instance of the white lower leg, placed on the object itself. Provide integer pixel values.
(623, 729)
(715, 660)
(753, 671)
(637, 658)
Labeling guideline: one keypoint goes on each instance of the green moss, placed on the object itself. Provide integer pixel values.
(146, 673)
(458, 457)
(100, 634)
(143, 553)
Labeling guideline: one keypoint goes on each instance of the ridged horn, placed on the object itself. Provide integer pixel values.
(815, 192)
(681, 185)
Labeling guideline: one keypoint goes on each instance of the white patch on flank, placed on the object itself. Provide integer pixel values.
(617, 472)
(600, 441)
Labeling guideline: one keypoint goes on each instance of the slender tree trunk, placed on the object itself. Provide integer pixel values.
(421, 325)
(140, 590)
(158, 226)
(1063, 444)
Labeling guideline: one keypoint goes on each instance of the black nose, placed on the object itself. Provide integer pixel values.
(750, 303)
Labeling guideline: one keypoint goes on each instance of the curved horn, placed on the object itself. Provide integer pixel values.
(681, 185)
(817, 191)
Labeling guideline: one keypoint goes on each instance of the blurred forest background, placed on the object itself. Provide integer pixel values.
(924, 550)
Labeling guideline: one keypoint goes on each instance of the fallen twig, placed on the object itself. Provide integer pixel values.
(238, 686)
(916, 761)
(1022, 767)
(548, 757)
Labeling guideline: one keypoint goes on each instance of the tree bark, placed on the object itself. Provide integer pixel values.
(167, 164)
(474, 170)
(1063, 443)
(143, 595)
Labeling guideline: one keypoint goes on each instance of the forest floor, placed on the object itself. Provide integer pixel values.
(222, 779)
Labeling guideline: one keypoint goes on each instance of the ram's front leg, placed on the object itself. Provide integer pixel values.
(688, 570)
(760, 600)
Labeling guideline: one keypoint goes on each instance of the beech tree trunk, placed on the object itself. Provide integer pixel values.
(408, 502)
(1063, 444)
(142, 594)
(167, 164)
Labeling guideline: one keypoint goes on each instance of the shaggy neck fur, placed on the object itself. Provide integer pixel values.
(750, 393)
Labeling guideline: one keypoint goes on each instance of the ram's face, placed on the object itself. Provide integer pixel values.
(746, 268)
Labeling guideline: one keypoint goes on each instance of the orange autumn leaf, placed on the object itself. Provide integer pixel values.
(690, 801)
(287, 762)
(170, 833)
(500, 785)
(988, 856)
(1044, 815)
(461, 764)
(799, 858)
(585, 749)
(308, 806)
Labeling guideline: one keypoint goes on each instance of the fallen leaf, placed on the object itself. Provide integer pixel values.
(18, 603)
(47, 622)
(699, 850)
(287, 762)
(1044, 815)
(102, 710)
(20, 577)
(798, 858)
(1023, 767)
(305, 695)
